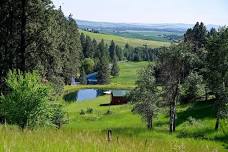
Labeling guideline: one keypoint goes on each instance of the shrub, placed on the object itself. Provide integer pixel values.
(89, 110)
(109, 112)
(26, 103)
(82, 112)
(58, 116)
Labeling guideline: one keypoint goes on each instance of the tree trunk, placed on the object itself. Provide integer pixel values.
(206, 94)
(150, 123)
(172, 118)
(21, 59)
(172, 125)
(217, 123)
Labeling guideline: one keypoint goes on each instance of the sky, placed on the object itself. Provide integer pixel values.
(148, 11)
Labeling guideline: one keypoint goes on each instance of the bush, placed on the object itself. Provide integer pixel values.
(109, 112)
(82, 112)
(88, 65)
(58, 116)
(89, 110)
(26, 103)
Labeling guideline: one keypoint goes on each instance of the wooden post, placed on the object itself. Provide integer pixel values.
(109, 135)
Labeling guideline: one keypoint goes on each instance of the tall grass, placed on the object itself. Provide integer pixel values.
(67, 140)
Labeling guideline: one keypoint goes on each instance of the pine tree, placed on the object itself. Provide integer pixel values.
(103, 65)
(115, 68)
(88, 52)
(83, 79)
(112, 48)
(83, 43)
(38, 37)
(119, 53)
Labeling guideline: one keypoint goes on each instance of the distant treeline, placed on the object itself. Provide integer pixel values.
(36, 36)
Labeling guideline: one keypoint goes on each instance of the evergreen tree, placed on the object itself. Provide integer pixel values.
(115, 68)
(103, 64)
(83, 43)
(72, 52)
(145, 97)
(196, 36)
(170, 72)
(36, 36)
(88, 52)
(216, 75)
(119, 53)
(112, 48)
(83, 79)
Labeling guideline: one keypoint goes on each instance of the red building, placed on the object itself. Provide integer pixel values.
(119, 97)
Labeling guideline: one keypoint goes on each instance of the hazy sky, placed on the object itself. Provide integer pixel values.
(148, 11)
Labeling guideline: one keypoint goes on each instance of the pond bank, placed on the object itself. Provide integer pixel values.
(68, 88)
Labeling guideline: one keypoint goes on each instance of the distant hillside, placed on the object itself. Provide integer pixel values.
(158, 32)
(122, 40)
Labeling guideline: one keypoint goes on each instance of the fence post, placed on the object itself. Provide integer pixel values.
(109, 135)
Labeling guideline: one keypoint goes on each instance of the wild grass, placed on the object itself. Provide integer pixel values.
(88, 132)
(122, 41)
(50, 140)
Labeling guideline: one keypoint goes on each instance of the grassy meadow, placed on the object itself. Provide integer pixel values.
(126, 79)
(123, 40)
(88, 132)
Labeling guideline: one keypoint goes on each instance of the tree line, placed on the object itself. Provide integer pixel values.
(195, 69)
(36, 36)
(98, 56)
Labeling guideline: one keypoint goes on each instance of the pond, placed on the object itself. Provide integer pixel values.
(84, 94)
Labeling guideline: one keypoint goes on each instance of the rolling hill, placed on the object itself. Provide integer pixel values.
(166, 32)
(121, 41)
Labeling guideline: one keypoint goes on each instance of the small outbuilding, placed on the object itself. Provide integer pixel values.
(92, 78)
(119, 97)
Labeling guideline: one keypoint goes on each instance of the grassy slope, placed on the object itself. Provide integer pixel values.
(126, 80)
(128, 72)
(194, 125)
(88, 132)
(122, 40)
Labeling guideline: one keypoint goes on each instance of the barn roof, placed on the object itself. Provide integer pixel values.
(92, 75)
(119, 93)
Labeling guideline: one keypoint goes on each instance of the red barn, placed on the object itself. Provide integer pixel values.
(119, 97)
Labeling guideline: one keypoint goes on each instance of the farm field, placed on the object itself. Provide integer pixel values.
(123, 40)
(149, 35)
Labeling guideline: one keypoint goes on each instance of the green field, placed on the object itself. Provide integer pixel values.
(123, 40)
(126, 79)
(195, 127)
(128, 72)
(148, 35)
(88, 132)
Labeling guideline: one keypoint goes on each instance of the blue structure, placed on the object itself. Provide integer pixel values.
(92, 78)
